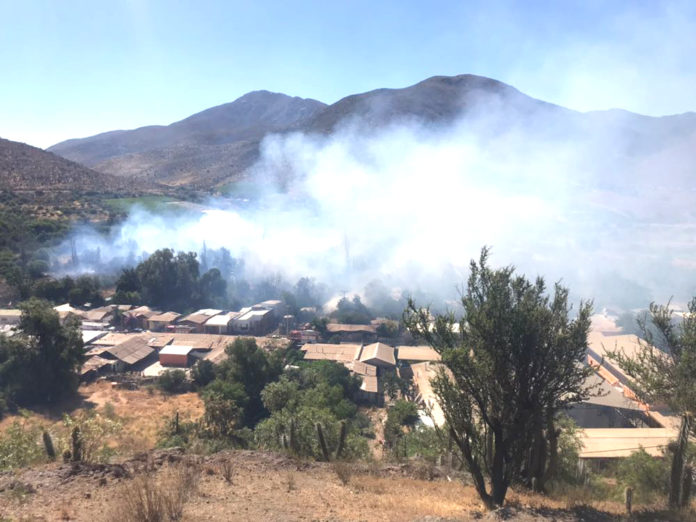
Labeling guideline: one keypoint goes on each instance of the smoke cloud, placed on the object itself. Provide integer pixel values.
(594, 200)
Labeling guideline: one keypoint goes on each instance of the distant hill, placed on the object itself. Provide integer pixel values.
(218, 145)
(23, 167)
(205, 148)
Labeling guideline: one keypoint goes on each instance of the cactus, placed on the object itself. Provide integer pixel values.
(293, 439)
(687, 481)
(284, 441)
(48, 445)
(176, 423)
(76, 445)
(341, 439)
(628, 499)
(322, 443)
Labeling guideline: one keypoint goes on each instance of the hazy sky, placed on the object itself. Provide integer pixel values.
(72, 68)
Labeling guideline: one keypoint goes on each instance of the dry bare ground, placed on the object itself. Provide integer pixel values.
(142, 413)
(247, 485)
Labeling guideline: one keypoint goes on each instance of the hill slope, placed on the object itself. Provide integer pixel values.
(217, 145)
(23, 167)
(203, 148)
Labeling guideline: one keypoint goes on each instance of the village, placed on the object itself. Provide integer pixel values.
(137, 344)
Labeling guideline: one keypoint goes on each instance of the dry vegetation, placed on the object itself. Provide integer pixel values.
(141, 412)
(246, 485)
(168, 485)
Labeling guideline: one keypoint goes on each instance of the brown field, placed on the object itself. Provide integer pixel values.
(142, 413)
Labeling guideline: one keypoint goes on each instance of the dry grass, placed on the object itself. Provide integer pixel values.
(343, 470)
(152, 497)
(227, 470)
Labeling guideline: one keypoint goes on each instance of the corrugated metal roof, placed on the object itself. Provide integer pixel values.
(132, 350)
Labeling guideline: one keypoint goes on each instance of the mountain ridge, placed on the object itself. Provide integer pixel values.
(219, 144)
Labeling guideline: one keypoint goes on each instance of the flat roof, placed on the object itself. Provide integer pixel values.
(417, 353)
(351, 328)
(176, 349)
(10, 312)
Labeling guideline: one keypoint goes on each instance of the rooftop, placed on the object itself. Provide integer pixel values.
(417, 353)
(176, 349)
(378, 352)
(351, 328)
(131, 351)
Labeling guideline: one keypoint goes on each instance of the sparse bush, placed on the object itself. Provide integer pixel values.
(343, 470)
(19, 446)
(290, 482)
(152, 498)
(94, 431)
(227, 470)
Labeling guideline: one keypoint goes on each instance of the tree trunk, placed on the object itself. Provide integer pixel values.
(499, 482)
(474, 469)
(677, 471)
(552, 433)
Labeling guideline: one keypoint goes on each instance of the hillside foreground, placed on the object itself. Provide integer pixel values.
(255, 485)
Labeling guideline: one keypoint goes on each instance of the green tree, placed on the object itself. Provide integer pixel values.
(667, 376)
(40, 364)
(511, 363)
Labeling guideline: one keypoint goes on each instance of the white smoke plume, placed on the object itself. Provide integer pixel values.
(410, 204)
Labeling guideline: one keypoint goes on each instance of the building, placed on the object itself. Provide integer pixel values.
(416, 354)
(175, 355)
(138, 318)
(159, 322)
(220, 324)
(255, 320)
(361, 333)
(343, 353)
(378, 354)
(10, 317)
(131, 355)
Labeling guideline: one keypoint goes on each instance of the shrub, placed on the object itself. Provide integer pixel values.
(21, 446)
(647, 476)
(173, 381)
(343, 470)
(148, 498)
(93, 430)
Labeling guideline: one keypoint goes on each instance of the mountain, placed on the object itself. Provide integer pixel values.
(206, 147)
(218, 145)
(23, 167)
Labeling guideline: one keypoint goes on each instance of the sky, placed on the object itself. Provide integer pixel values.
(74, 68)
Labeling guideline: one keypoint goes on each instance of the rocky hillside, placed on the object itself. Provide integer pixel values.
(218, 145)
(205, 148)
(23, 167)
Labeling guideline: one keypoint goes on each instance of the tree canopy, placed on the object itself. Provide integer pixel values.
(40, 363)
(509, 365)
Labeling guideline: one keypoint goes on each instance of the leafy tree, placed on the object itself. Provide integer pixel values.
(173, 381)
(352, 311)
(213, 289)
(86, 290)
(647, 475)
(203, 372)
(301, 398)
(402, 414)
(242, 377)
(667, 376)
(514, 361)
(40, 364)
